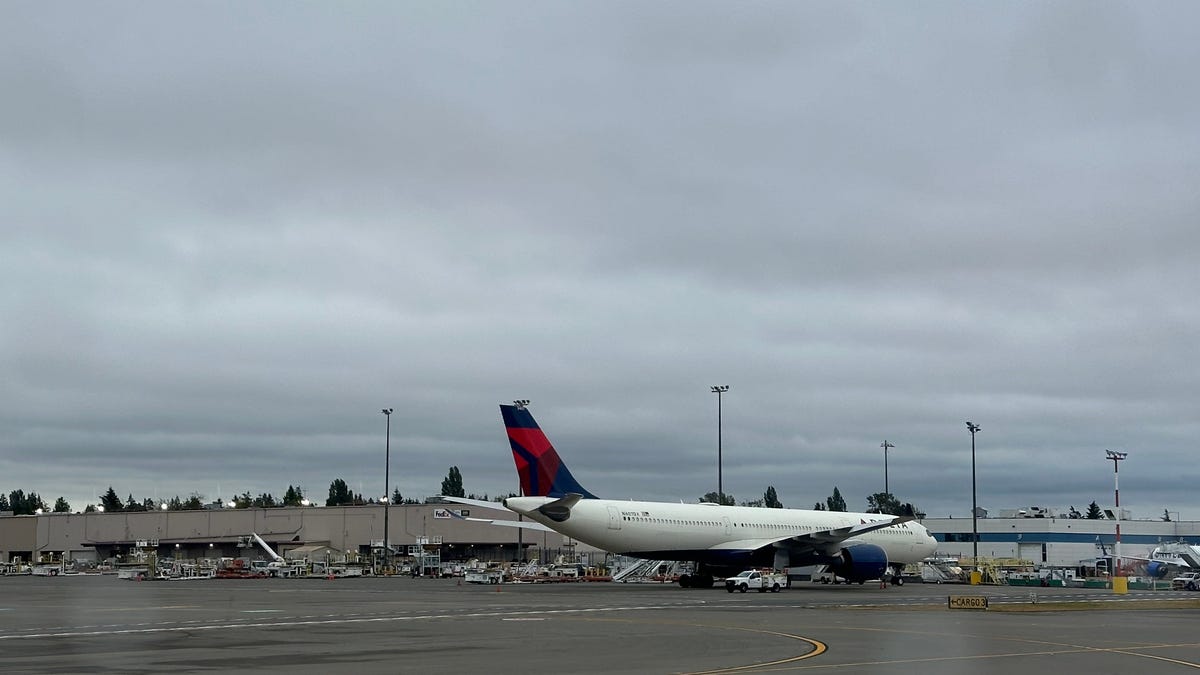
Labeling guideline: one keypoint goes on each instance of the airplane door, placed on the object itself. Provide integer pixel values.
(728, 527)
(614, 518)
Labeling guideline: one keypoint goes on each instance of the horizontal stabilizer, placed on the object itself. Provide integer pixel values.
(477, 503)
(522, 524)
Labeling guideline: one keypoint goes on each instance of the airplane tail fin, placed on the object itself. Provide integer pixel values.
(542, 472)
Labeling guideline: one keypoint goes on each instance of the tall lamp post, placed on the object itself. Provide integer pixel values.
(387, 495)
(974, 428)
(1116, 457)
(718, 390)
(521, 404)
(885, 445)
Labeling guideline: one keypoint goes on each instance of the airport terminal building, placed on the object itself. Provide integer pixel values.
(221, 532)
(1047, 539)
(358, 530)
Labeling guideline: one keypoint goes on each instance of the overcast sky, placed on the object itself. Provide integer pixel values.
(232, 232)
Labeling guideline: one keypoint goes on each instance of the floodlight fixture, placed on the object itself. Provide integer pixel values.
(719, 389)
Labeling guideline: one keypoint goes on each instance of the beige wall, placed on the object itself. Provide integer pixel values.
(345, 528)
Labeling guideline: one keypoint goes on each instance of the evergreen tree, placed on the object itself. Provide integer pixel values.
(175, 504)
(292, 497)
(148, 504)
(397, 498)
(339, 494)
(22, 504)
(835, 502)
(265, 501)
(1093, 512)
(110, 501)
(452, 484)
(884, 502)
(818, 507)
(4, 504)
(194, 503)
(61, 506)
(713, 498)
(770, 499)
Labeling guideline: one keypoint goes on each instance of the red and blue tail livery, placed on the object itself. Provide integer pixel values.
(542, 472)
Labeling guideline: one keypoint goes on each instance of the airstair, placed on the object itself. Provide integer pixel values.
(647, 571)
(939, 571)
(1187, 553)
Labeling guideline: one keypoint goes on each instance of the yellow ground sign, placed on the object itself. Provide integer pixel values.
(968, 602)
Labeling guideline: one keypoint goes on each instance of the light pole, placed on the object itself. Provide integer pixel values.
(1116, 457)
(719, 390)
(973, 428)
(387, 495)
(885, 445)
(520, 404)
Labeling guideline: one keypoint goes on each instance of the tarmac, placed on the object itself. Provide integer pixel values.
(433, 626)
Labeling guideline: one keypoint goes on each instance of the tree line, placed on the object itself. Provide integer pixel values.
(340, 494)
(880, 502)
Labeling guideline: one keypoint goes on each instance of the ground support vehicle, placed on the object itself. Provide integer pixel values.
(760, 580)
(1188, 581)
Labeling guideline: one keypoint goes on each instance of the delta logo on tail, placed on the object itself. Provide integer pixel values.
(541, 471)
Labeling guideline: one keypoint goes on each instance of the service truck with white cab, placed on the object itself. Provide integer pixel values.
(760, 580)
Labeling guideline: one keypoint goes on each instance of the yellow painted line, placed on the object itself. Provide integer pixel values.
(942, 659)
(1066, 648)
(818, 647)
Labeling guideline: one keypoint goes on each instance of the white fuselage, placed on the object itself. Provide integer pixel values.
(657, 528)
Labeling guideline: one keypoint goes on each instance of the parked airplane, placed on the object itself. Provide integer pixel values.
(1168, 559)
(722, 540)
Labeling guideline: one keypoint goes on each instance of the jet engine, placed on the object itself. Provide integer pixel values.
(1157, 569)
(860, 562)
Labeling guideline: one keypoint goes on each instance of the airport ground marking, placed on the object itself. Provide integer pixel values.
(1066, 648)
(243, 622)
(818, 647)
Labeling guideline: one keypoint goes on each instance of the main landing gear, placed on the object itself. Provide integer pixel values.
(698, 580)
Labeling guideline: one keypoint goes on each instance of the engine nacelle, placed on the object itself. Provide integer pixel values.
(861, 562)
(1157, 570)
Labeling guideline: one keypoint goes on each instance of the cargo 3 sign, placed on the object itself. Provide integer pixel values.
(967, 602)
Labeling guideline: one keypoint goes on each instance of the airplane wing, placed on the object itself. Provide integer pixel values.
(842, 533)
(811, 540)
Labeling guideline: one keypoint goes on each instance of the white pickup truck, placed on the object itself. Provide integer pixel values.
(760, 580)
(1187, 581)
